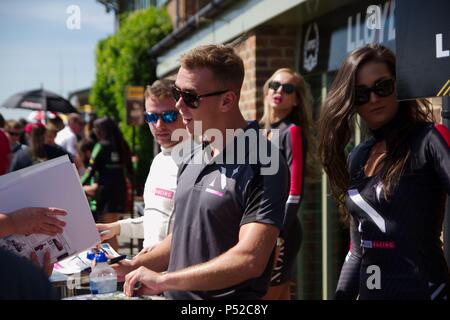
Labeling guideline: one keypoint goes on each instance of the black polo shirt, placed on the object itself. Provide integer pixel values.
(215, 198)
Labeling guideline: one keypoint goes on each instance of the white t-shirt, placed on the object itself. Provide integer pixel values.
(68, 140)
(159, 199)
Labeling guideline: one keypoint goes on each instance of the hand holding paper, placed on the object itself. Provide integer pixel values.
(38, 220)
(39, 227)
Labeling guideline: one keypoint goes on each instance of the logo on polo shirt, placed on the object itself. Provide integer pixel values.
(223, 182)
(164, 193)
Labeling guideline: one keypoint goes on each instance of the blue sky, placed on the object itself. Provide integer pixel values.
(37, 47)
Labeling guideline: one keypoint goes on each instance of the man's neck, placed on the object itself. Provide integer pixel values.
(228, 123)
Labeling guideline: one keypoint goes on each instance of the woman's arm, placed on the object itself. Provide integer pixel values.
(348, 284)
(439, 153)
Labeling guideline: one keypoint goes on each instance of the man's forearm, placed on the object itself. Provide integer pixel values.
(247, 260)
(156, 259)
(222, 272)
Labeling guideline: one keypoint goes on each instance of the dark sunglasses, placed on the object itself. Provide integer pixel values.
(16, 134)
(286, 87)
(382, 88)
(191, 99)
(166, 117)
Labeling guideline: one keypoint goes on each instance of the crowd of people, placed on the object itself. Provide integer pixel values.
(219, 227)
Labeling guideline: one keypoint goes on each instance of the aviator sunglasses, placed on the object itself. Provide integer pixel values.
(286, 87)
(166, 117)
(382, 88)
(191, 99)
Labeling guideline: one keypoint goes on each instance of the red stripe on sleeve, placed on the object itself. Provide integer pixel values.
(444, 133)
(297, 160)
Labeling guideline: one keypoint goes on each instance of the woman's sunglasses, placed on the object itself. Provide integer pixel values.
(382, 88)
(166, 117)
(286, 87)
(191, 99)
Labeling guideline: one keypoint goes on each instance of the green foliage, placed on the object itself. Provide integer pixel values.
(122, 59)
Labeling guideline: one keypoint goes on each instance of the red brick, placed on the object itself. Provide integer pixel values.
(268, 52)
(282, 42)
(281, 63)
(261, 63)
(289, 53)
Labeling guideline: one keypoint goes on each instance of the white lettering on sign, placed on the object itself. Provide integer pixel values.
(373, 17)
(376, 23)
(311, 47)
(440, 52)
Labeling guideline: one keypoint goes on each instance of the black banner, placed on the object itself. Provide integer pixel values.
(328, 39)
(423, 48)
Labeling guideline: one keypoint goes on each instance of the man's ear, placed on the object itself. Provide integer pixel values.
(229, 100)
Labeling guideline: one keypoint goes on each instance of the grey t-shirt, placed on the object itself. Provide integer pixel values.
(213, 200)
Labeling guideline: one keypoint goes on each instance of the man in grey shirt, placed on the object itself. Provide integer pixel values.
(229, 208)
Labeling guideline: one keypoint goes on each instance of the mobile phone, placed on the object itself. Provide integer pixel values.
(116, 259)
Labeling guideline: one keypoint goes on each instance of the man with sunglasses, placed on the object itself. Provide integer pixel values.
(163, 119)
(229, 213)
(14, 131)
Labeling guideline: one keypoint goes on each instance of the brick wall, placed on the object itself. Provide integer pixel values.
(249, 92)
(263, 50)
(186, 9)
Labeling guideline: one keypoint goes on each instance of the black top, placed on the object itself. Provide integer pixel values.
(401, 236)
(215, 198)
(106, 164)
(21, 280)
(293, 147)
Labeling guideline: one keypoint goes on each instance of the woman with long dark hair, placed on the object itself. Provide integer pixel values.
(392, 186)
(109, 164)
(287, 107)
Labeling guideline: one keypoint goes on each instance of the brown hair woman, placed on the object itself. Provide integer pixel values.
(391, 187)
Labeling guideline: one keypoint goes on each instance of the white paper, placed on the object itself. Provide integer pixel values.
(54, 183)
(80, 262)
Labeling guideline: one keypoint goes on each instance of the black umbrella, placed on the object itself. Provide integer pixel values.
(39, 100)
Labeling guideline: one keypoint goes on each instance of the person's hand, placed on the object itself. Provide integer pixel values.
(147, 281)
(145, 250)
(113, 229)
(47, 267)
(37, 220)
(90, 190)
(122, 268)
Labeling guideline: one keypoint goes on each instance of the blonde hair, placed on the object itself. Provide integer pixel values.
(300, 114)
(160, 89)
(226, 66)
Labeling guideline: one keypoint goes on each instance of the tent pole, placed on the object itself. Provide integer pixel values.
(44, 104)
